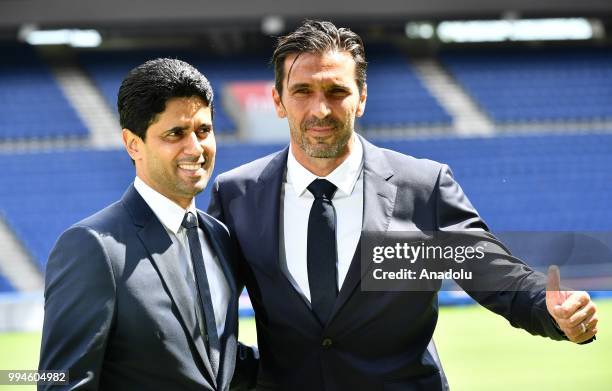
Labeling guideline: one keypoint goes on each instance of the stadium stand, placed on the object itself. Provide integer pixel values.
(5, 286)
(32, 106)
(526, 85)
(552, 182)
(43, 193)
(108, 68)
(396, 97)
(545, 182)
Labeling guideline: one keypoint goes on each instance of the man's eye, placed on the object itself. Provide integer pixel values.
(339, 92)
(174, 133)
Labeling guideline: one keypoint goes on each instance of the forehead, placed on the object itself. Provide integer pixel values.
(186, 107)
(182, 112)
(331, 66)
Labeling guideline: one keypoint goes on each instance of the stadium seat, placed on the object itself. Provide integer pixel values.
(5, 286)
(536, 85)
(396, 97)
(32, 106)
(538, 183)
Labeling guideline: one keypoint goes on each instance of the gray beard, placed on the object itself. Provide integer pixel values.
(323, 151)
(329, 151)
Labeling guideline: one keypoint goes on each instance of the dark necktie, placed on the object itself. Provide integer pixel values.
(190, 222)
(322, 254)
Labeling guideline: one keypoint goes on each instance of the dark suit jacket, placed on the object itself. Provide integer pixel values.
(118, 316)
(373, 340)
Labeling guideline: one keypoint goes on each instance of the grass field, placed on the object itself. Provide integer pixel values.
(479, 350)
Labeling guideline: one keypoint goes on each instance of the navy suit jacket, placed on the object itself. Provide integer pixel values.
(373, 340)
(118, 314)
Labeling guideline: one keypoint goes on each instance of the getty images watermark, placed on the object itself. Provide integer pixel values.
(481, 261)
(411, 252)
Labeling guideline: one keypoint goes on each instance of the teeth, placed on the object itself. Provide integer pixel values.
(186, 166)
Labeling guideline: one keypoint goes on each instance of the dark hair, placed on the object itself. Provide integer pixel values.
(319, 37)
(146, 89)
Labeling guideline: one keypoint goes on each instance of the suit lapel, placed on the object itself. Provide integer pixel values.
(165, 256)
(264, 199)
(264, 227)
(378, 202)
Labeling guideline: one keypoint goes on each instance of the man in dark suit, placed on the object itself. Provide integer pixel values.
(298, 216)
(142, 295)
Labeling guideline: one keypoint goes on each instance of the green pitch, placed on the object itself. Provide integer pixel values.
(479, 350)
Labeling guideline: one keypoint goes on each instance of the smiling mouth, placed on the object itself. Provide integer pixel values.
(193, 167)
(190, 166)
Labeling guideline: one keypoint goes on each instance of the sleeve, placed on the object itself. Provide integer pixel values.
(79, 308)
(247, 357)
(520, 294)
(247, 365)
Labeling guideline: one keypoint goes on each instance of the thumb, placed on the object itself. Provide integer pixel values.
(553, 287)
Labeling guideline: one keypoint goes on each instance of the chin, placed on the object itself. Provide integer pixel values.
(200, 186)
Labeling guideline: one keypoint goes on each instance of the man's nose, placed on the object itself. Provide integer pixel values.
(193, 145)
(321, 107)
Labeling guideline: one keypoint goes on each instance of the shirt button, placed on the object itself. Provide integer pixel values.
(326, 343)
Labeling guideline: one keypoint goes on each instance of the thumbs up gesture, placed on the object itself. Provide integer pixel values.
(573, 311)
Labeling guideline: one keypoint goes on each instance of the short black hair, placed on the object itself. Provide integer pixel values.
(146, 89)
(319, 37)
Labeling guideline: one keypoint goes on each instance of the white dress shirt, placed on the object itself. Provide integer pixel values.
(171, 216)
(296, 202)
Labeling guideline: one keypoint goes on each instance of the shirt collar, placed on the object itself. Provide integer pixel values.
(167, 211)
(343, 177)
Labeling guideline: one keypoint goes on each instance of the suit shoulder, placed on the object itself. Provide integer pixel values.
(401, 158)
(104, 219)
(83, 246)
(414, 170)
(109, 222)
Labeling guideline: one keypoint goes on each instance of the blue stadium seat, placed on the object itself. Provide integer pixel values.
(538, 183)
(5, 285)
(32, 106)
(530, 182)
(527, 85)
(396, 97)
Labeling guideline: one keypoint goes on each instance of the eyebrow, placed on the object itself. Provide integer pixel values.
(332, 86)
(298, 86)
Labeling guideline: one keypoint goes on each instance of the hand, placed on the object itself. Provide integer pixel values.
(573, 311)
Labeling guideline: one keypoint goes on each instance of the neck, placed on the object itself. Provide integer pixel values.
(321, 167)
(180, 201)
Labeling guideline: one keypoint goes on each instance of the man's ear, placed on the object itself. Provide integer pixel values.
(278, 104)
(132, 143)
(362, 101)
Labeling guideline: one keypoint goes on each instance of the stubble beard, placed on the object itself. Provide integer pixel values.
(178, 186)
(320, 148)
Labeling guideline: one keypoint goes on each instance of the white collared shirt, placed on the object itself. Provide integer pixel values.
(171, 216)
(296, 202)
